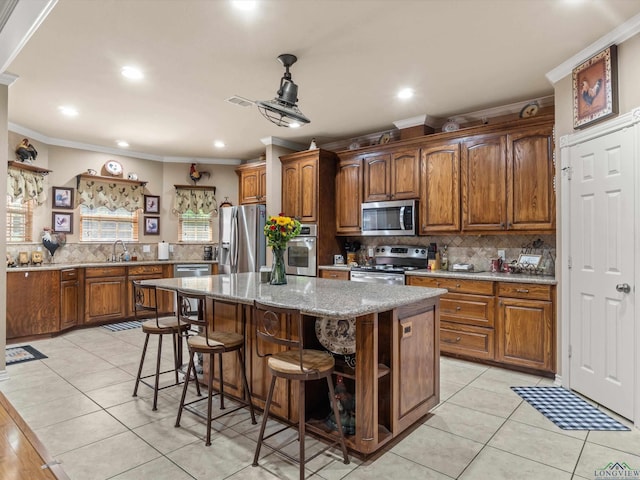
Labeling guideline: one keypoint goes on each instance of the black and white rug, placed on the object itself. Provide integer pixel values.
(567, 410)
(116, 327)
(22, 354)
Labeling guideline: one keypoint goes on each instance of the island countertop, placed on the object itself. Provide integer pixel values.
(313, 296)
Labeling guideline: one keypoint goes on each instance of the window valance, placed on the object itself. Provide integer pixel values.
(195, 199)
(96, 193)
(25, 185)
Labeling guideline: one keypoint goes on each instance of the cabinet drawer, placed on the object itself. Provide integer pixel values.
(481, 287)
(466, 340)
(145, 269)
(468, 309)
(335, 274)
(68, 274)
(524, 290)
(105, 272)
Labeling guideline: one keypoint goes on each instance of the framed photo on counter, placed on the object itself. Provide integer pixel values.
(152, 225)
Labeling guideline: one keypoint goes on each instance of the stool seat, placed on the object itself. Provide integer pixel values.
(217, 341)
(164, 325)
(313, 361)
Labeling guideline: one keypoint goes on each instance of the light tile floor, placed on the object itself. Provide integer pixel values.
(78, 401)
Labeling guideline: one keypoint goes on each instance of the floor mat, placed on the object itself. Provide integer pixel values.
(567, 410)
(22, 354)
(116, 327)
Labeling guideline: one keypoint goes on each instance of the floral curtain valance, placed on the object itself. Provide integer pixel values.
(196, 200)
(25, 185)
(113, 195)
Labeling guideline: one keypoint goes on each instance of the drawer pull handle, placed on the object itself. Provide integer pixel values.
(458, 308)
(449, 340)
(522, 290)
(457, 285)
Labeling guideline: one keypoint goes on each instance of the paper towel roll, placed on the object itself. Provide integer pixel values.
(163, 251)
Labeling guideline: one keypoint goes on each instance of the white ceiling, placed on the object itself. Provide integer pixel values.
(458, 55)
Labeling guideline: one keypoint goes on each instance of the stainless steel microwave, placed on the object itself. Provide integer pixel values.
(397, 217)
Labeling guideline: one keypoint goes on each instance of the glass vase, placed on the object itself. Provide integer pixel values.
(278, 275)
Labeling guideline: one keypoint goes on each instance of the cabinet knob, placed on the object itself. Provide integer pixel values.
(501, 224)
(522, 290)
(450, 340)
(457, 285)
(458, 308)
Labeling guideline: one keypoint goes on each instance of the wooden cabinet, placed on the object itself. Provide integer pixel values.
(252, 183)
(33, 306)
(392, 175)
(148, 272)
(105, 294)
(525, 326)
(335, 274)
(348, 195)
(439, 204)
(71, 296)
(507, 181)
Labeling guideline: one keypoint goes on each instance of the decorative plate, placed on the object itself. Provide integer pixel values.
(450, 126)
(529, 110)
(384, 138)
(337, 336)
(113, 167)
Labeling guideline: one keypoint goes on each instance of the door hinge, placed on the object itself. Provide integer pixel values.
(569, 263)
(570, 351)
(567, 172)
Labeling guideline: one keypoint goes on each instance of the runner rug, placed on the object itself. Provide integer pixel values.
(22, 354)
(566, 409)
(116, 327)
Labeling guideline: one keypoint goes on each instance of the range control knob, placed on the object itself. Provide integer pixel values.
(423, 251)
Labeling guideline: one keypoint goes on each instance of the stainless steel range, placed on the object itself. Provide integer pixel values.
(391, 262)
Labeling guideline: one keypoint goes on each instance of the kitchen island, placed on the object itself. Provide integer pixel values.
(393, 374)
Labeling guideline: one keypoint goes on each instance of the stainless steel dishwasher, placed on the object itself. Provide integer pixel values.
(181, 270)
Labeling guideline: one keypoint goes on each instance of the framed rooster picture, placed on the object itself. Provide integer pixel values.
(595, 88)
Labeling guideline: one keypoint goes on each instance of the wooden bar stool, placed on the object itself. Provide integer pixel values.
(295, 364)
(145, 299)
(209, 342)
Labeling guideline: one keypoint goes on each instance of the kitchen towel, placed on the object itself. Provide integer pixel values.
(567, 410)
(21, 354)
(163, 251)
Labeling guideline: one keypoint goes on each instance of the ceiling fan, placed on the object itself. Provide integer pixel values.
(282, 110)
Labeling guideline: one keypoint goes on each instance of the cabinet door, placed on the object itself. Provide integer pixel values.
(165, 298)
(405, 178)
(530, 175)
(308, 190)
(291, 189)
(484, 199)
(348, 196)
(249, 187)
(377, 184)
(440, 190)
(524, 333)
(262, 184)
(33, 305)
(105, 299)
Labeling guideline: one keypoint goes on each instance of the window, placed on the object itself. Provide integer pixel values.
(101, 224)
(195, 227)
(19, 220)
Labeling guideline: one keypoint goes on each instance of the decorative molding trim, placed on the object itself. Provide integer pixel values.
(7, 78)
(428, 120)
(564, 141)
(59, 142)
(618, 35)
(512, 108)
(281, 142)
(604, 128)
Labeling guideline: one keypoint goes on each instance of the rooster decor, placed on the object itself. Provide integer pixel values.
(196, 175)
(588, 92)
(26, 152)
(52, 241)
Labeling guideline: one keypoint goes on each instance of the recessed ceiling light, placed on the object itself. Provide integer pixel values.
(246, 5)
(219, 144)
(122, 143)
(68, 111)
(405, 93)
(132, 73)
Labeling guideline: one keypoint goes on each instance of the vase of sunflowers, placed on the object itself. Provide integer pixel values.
(279, 230)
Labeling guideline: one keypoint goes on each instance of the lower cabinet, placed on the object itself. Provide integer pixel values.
(335, 274)
(148, 272)
(32, 305)
(511, 324)
(105, 294)
(71, 295)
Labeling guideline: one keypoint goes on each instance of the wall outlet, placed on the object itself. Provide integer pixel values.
(146, 248)
(370, 253)
(170, 248)
(501, 254)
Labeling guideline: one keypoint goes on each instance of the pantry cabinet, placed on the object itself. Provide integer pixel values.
(252, 183)
(392, 175)
(33, 306)
(348, 195)
(439, 204)
(105, 294)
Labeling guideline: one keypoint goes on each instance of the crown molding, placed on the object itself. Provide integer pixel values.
(7, 78)
(281, 142)
(59, 142)
(419, 120)
(618, 35)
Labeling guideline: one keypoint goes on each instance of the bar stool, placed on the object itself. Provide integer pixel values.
(295, 364)
(209, 342)
(145, 299)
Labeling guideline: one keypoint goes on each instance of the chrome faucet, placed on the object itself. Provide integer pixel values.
(124, 247)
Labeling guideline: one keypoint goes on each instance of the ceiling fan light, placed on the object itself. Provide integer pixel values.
(281, 114)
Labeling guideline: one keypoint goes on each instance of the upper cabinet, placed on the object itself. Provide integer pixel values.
(348, 195)
(439, 203)
(392, 175)
(252, 183)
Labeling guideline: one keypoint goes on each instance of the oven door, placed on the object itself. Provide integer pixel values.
(300, 257)
(378, 277)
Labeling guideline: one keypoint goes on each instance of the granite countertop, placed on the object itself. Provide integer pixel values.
(62, 266)
(317, 297)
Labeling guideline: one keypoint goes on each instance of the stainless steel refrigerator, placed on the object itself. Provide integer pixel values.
(243, 246)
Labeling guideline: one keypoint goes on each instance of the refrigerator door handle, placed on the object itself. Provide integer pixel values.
(233, 261)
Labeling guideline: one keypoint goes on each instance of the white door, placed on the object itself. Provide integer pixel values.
(602, 266)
